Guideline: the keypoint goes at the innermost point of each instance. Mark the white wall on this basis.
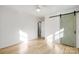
(77, 30)
(52, 25)
(11, 21)
(43, 29)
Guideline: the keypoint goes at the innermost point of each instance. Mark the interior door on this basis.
(67, 22)
(39, 29)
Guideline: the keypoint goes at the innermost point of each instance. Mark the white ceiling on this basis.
(45, 9)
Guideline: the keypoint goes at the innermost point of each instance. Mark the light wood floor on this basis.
(39, 46)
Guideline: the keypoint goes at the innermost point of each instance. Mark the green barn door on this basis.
(67, 23)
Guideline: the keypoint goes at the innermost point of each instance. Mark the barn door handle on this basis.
(75, 32)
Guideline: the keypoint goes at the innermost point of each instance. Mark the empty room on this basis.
(39, 29)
